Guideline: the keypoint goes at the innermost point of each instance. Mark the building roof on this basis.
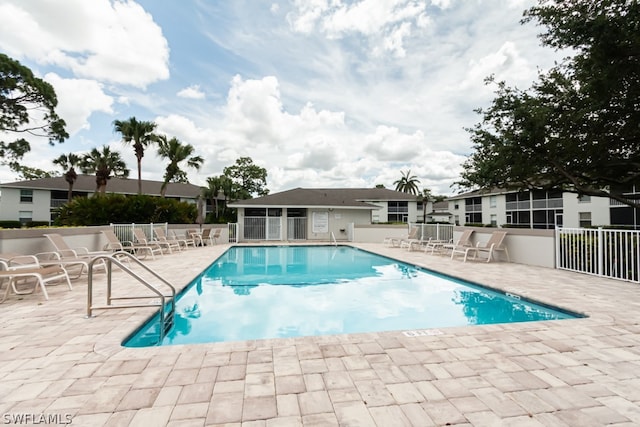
(481, 192)
(87, 183)
(354, 198)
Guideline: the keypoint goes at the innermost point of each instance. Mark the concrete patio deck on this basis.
(57, 365)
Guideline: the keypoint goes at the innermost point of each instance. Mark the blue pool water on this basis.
(288, 291)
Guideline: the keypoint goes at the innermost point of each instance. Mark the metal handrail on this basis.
(112, 259)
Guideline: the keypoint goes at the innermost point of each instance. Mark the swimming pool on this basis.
(256, 292)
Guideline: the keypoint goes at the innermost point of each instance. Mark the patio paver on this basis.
(55, 362)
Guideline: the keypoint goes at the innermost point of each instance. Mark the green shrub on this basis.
(10, 224)
(33, 224)
(118, 208)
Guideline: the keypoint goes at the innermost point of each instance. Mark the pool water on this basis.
(259, 292)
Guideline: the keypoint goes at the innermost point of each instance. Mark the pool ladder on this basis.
(166, 313)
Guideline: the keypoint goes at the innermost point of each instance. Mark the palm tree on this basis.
(103, 163)
(426, 196)
(214, 186)
(68, 162)
(176, 152)
(408, 183)
(140, 135)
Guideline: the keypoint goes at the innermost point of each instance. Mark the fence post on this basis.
(600, 252)
(557, 245)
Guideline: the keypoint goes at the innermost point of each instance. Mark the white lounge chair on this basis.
(463, 242)
(184, 241)
(398, 241)
(25, 269)
(139, 250)
(161, 236)
(142, 239)
(63, 248)
(494, 244)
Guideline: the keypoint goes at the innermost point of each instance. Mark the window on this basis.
(456, 206)
(26, 196)
(398, 211)
(494, 220)
(585, 219)
(25, 216)
(584, 199)
(493, 201)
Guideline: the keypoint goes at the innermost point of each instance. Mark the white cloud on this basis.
(191, 92)
(310, 145)
(386, 24)
(77, 100)
(108, 41)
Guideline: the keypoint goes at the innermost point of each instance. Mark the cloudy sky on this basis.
(321, 93)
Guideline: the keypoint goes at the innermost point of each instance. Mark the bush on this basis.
(118, 208)
(33, 224)
(10, 224)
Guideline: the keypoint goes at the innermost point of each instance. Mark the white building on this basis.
(319, 213)
(539, 209)
(38, 199)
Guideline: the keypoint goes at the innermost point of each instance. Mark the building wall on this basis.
(598, 207)
(338, 222)
(10, 205)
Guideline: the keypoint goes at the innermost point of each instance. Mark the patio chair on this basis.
(65, 250)
(186, 241)
(161, 236)
(196, 236)
(397, 241)
(210, 236)
(139, 250)
(70, 258)
(25, 269)
(495, 243)
(463, 242)
(141, 239)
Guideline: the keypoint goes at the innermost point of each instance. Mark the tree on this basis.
(407, 183)
(217, 185)
(214, 187)
(577, 128)
(68, 162)
(27, 107)
(176, 152)
(425, 196)
(29, 173)
(140, 135)
(103, 164)
(249, 179)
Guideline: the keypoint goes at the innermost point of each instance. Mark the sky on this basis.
(320, 93)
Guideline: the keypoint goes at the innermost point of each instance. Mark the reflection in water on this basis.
(484, 308)
(255, 293)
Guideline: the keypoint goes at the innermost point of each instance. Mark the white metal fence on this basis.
(434, 231)
(608, 253)
(233, 232)
(125, 231)
(297, 228)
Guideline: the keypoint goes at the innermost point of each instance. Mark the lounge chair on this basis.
(26, 268)
(69, 258)
(398, 241)
(463, 242)
(210, 236)
(139, 250)
(185, 241)
(65, 250)
(161, 236)
(495, 243)
(141, 239)
(196, 236)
